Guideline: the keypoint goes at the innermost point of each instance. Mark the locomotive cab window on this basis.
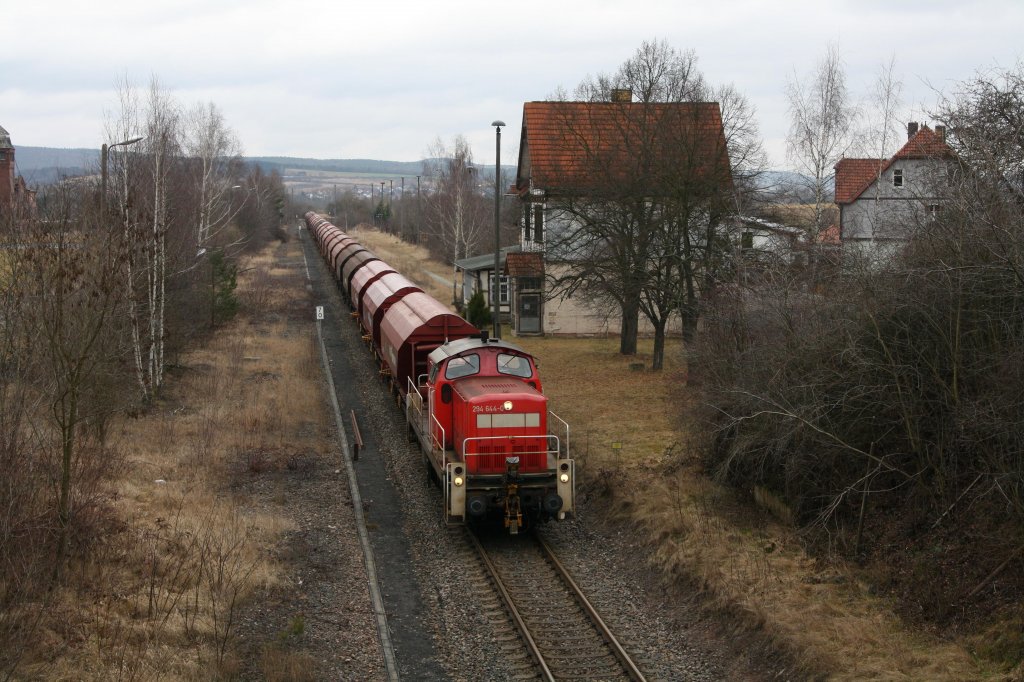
(462, 366)
(515, 365)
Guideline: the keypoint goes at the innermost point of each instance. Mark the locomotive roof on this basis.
(496, 388)
(453, 348)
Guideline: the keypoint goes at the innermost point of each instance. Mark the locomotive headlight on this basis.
(564, 478)
(459, 480)
(508, 405)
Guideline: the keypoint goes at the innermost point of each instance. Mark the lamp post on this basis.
(495, 308)
(104, 151)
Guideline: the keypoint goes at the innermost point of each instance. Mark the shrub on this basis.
(477, 312)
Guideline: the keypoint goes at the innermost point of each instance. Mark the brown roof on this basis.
(580, 146)
(524, 264)
(926, 144)
(853, 176)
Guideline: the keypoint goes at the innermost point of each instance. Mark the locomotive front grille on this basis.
(489, 457)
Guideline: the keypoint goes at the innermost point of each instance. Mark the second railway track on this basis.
(565, 636)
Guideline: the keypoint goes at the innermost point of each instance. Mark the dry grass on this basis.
(164, 592)
(589, 384)
(801, 215)
(410, 260)
(749, 565)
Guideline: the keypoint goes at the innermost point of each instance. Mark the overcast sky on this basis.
(382, 80)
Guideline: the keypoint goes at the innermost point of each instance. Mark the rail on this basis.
(546, 651)
(613, 643)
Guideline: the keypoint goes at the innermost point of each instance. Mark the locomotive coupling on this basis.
(513, 509)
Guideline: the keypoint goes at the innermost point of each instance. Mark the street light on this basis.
(496, 311)
(103, 171)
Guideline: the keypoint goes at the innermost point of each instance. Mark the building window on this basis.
(747, 240)
(526, 222)
(3, 156)
(538, 222)
(934, 211)
(503, 289)
(897, 177)
(529, 283)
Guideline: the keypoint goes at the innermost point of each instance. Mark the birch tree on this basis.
(145, 179)
(213, 151)
(821, 118)
(455, 208)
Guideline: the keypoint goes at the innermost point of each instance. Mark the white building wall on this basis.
(885, 212)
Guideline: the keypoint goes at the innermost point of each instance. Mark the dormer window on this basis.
(897, 177)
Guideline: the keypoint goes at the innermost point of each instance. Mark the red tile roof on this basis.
(926, 144)
(583, 146)
(524, 264)
(830, 235)
(853, 176)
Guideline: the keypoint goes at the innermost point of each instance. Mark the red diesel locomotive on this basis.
(474, 405)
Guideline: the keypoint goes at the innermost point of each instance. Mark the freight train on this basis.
(474, 405)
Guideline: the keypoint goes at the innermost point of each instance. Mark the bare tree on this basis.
(898, 393)
(213, 151)
(884, 129)
(72, 291)
(820, 122)
(147, 176)
(455, 208)
(657, 72)
(641, 228)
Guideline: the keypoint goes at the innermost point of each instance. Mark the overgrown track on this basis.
(563, 633)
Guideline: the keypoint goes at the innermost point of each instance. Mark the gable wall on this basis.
(884, 211)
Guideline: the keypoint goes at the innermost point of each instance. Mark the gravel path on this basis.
(320, 625)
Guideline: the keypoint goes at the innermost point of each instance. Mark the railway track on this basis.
(565, 637)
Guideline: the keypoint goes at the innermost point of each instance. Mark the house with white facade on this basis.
(575, 151)
(882, 200)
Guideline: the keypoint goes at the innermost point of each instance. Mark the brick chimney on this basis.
(941, 132)
(911, 129)
(622, 95)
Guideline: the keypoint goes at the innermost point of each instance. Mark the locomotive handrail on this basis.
(548, 437)
(413, 389)
(440, 446)
(566, 425)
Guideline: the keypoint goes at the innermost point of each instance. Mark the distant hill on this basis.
(369, 166)
(45, 165)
